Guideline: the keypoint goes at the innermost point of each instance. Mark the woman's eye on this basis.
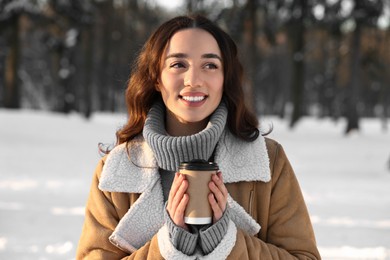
(177, 65)
(211, 66)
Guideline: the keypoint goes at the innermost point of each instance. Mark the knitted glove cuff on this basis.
(211, 236)
(181, 239)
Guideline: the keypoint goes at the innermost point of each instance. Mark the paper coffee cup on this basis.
(198, 174)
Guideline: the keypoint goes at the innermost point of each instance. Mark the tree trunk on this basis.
(105, 68)
(87, 93)
(352, 114)
(298, 74)
(385, 97)
(250, 38)
(12, 90)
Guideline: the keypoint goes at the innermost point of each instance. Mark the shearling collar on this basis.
(135, 171)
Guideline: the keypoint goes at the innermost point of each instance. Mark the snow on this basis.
(47, 161)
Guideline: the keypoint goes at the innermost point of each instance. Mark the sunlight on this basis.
(348, 252)
(351, 222)
(53, 184)
(18, 185)
(3, 243)
(319, 12)
(346, 7)
(59, 249)
(73, 211)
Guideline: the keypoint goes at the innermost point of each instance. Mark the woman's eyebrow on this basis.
(183, 55)
(176, 55)
(211, 56)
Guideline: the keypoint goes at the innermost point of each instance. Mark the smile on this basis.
(193, 98)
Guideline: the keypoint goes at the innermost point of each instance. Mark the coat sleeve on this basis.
(102, 214)
(289, 233)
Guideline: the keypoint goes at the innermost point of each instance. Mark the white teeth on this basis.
(193, 99)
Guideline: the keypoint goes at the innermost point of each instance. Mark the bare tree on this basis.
(297, 38)
(365, 12)
(250, 49)
(10, 13)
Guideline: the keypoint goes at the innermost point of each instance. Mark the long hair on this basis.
(141, 91)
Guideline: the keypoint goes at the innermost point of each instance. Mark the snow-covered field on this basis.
(47, 161)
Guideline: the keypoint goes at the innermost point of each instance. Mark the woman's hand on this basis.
(218, 196)
(178, 200)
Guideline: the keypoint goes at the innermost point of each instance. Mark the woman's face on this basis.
(191, 80)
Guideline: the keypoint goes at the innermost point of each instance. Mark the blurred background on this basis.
(327, 58)
(317, 70)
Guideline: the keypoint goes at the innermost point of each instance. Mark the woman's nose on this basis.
(193, 78)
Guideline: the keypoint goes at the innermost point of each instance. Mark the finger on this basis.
(174, 188)
(218, 180)
(180, 210)
(218, 195)
(176, 183)
(179, 195)
(221, 194)
(217, 211)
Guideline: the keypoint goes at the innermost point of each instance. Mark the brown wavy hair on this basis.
(141, 92)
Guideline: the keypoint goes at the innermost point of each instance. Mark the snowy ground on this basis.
(47, 161)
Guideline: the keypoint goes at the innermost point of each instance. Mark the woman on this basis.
(185, 101)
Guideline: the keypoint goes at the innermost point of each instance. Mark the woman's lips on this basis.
(193, 99)
(193, 96)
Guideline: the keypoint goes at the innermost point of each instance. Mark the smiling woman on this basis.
(186, 102)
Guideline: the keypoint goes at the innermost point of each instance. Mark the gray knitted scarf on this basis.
(170, 151)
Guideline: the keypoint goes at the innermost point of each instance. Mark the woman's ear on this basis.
(157, 86)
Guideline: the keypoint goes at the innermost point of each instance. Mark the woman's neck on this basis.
(176, 128)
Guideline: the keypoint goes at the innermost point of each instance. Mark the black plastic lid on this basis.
(199, 165)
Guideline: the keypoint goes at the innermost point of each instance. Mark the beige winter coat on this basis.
(124, 212)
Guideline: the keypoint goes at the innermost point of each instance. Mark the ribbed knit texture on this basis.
(180, 238)
(170, 151)
(210, 237)
(207, 237)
